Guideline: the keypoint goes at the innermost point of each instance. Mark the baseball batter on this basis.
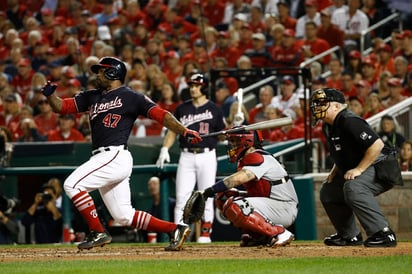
(113, 108)
(197, 162)
(269, 203)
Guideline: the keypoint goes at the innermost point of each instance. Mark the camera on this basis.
(8, 204)
(46, 197)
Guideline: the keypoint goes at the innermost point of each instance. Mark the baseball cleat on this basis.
(246, 240)
(282, 239)
(95, 239)
(383, 238)
(337, 240)
(178, 237)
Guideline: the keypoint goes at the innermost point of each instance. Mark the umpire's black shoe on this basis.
(384, 238)
(95, 239)
(337, 240)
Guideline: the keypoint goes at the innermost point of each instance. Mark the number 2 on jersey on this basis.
(111, 120)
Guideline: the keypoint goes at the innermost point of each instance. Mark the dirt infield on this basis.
(194, 251)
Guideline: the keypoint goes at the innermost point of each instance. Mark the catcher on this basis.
(268, 202)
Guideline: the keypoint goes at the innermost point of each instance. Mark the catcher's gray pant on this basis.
(343, 200)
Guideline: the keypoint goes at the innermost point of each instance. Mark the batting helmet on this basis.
(199, 79)
(114, 68)
(240, 142)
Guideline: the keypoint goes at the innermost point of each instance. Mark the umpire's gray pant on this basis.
(343, 200)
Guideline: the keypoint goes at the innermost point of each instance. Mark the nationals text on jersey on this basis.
(103, 107)
(190, 119)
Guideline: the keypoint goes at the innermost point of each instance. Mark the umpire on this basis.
(351, 185)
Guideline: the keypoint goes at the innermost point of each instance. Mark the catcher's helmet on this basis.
(319, 102)
(199, 79)
(240, 142)
(114, 68)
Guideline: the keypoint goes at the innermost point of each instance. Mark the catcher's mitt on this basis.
(194, 208)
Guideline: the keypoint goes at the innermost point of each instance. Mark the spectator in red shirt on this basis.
(313, 45)
(408, 87)
(348, 84)
(245, 38)
(255, 21)
(288, 132)
(11, 115)
(406, 45)
(224, 49)
(22, 81)
(354, 63)
(66, 130)
(173, 69)
(329, 31)
(385, 60)
(334, 79)
(154, 11)
(214, 10)
(369, 71)
(284, 15)
(47, 119)
(363, 89)
(395, 90)
(289, 54)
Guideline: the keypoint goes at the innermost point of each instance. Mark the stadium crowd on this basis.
(164, 42)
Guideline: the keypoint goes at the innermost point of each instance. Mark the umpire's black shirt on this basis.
(348, 139)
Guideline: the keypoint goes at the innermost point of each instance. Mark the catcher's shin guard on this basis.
(242, 215)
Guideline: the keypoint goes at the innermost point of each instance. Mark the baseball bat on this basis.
(279, 122)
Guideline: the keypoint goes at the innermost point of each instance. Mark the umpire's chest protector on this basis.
(348, 139)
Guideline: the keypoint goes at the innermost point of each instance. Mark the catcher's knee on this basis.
(235, 209)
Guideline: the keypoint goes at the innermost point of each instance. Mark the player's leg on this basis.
(101, 170)
(360, 195)
(340, 214)
(185, 183)
(242, 215)
(206, 167)
(118, 201)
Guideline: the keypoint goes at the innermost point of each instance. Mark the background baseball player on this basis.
(269, 203)
(197, 162)
(113, 108)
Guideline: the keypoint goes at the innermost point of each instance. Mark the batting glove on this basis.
(163, 157)
(192, 136)
(48, 89)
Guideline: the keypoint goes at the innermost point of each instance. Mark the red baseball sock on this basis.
(145, 221)
(84, 203)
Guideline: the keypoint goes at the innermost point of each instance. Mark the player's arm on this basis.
(234, 180)
(58, 104)
(168, 120)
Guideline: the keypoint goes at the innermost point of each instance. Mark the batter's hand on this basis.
(48, 89)
(163, 157)
(192, 136)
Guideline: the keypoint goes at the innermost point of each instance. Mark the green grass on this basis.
(390, 264)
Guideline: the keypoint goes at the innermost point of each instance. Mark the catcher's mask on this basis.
(320, 102)
(240, 142)
(114, 68)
